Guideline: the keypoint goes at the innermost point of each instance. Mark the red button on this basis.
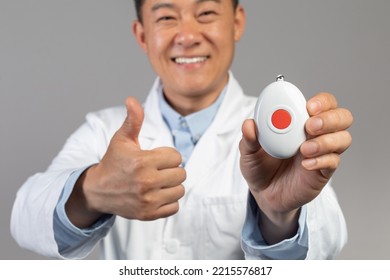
(281, 119)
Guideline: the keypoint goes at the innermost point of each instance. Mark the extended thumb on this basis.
(133, 122)
(249, 143)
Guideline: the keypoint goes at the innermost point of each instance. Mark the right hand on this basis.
(130, 182)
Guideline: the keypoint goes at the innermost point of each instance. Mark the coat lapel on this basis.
(219, 140)
(154, 132)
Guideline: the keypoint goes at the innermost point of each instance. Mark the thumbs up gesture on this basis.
(128, 181)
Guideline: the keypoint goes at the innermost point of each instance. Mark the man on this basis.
(170, 180)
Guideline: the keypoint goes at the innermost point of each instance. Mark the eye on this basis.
(165, 18)
(207, 13)
(207, 16)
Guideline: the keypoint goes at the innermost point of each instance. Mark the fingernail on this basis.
(315, 107)
(309, 163)
(310, 148)
(316, 124)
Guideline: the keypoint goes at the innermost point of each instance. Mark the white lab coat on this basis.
(212, 212)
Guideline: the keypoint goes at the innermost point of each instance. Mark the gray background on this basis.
(62, 59)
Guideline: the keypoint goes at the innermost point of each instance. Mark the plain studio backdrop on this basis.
(62, 59)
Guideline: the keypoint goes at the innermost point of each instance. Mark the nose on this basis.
(188, 33)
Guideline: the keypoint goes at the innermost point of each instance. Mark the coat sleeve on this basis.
(34, 206)
(322, 232)
(327, 227)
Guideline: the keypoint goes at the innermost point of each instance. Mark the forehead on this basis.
(154, 4)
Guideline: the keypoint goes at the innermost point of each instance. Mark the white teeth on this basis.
(189, 60)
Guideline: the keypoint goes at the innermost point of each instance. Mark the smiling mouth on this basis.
(190, 60)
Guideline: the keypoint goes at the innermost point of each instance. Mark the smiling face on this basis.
(190, 44)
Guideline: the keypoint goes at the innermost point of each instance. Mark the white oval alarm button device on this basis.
(280, 116)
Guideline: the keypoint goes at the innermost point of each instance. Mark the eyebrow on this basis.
(172, 6)
(162, 5)
(201, 1)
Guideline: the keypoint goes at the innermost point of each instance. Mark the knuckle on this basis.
(330, 99)
(146, 216)
(144, 184)
(181, 191)
(169, 152)
(145, 201)
(147, 213)
(333, 99)
(176, 156)
(182, 174)
(327, 99)
(348, 137)
(137, 163)
(343, 141)
(328, 143)
(175, 208)
(334, 161)
(335, 118)
(172, 210)
(348, 116)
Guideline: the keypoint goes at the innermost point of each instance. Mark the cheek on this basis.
(159, 41)
(223, 40)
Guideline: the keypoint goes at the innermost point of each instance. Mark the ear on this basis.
(139, 34)
(239, 22)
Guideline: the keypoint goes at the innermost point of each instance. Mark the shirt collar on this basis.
(196, 123)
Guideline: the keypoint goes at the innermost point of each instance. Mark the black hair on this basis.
(138, 7)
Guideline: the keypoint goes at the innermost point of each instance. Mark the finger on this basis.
(320, 103)
(327, 164)
(336, 142)
(164, 211)
(166, 157)
(133, 122)
(171, 195)
(169, 202)
(168, 210)
(160, 203)
(330, 121)
(172, 177)
(249, 143)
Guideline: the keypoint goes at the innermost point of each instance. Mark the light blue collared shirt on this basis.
(186, 132)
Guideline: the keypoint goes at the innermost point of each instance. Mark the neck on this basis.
(188, 103)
